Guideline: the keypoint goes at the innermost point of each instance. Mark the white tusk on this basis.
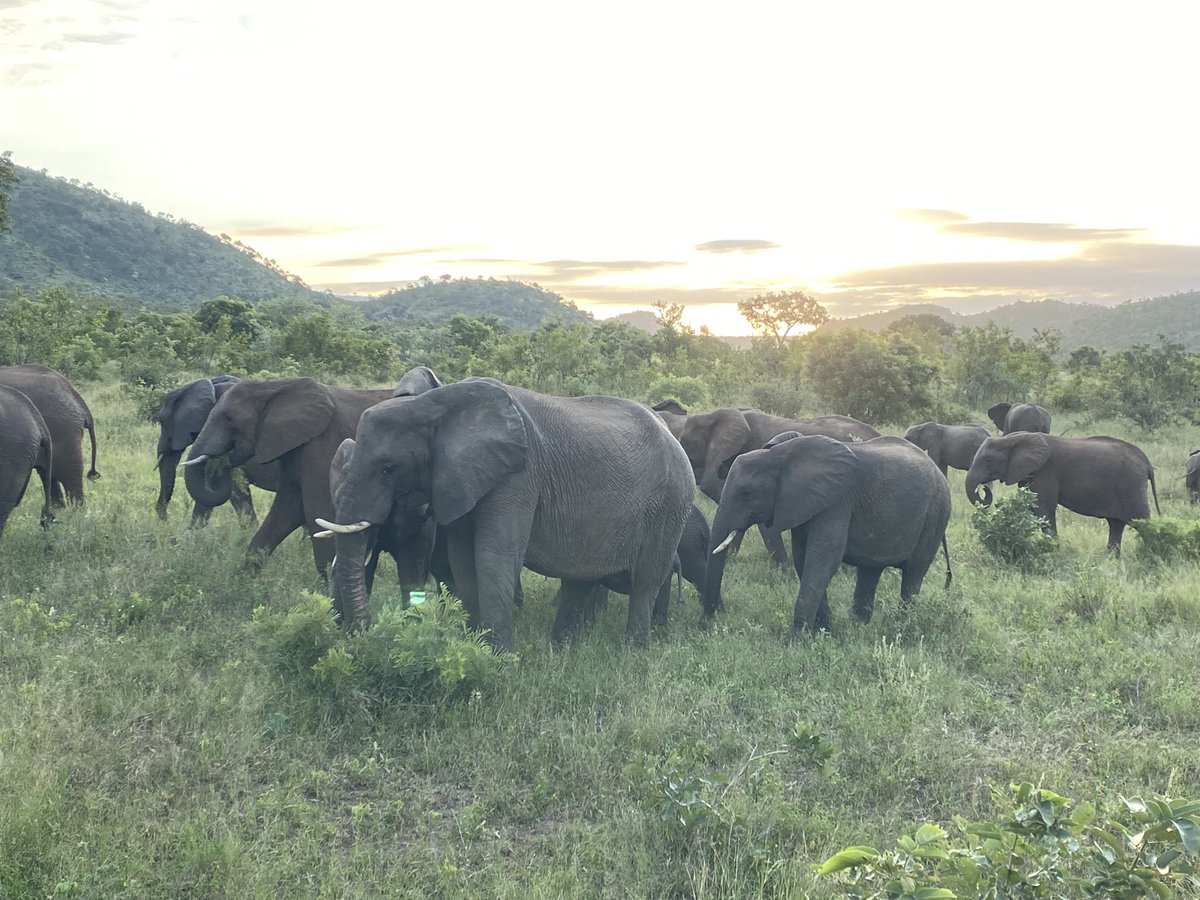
(323, 534)
(199, 459)
(721, 547)
(160, 459)
(343, 529)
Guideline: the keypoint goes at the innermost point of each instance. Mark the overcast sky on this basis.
(968, 154)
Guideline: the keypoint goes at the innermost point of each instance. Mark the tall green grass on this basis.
(148, 750)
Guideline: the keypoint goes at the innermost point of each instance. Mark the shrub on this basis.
(688, 390)
(1043, 845)
(1168, 539)
(1011, 531)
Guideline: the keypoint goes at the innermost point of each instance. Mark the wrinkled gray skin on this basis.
(714, 440)
(25, 445)
(67, 416)
(949, 446)
(183, 414)
(1096, 476)
(1021, 417)
(586, 489)
(1193, 477)
(673, 415)
(297, 423)
(872, 505)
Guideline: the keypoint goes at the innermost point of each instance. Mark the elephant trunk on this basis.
(974, 483)
(349, 578)
(168, 461)
(710, 485)
(209, 488)
(726, 527)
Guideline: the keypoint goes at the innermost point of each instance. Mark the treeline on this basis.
(920, 368)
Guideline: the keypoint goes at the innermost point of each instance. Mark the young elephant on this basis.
(872, 505)
(25, 445)
(1192, 478)
(1096, 476)
(1021, 417)
(949, 446)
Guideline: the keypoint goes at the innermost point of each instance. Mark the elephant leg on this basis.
(284, 517)
(1116, 527)
(772, 539)
(412, 564)
(243, 503)
(911, 579)
(662, 603)
(201, 515)
(315, 501)
(369, 572)
(799, 549)
(1047, 507)
(460, 556)
(824, 547)
(56, 494)
(864, 591)
(68, 471)
(574, 605)
(501, 539)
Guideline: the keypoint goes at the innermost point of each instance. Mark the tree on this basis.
(881, 379)
(8, 179)
(775, 313)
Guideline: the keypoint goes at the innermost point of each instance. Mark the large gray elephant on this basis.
(1010, 418)
(586, 489)
(949, 446)
(1192, 478)
(180, 421)
(296, 423)
(872, 505)
(25, 445)
(1102, 477)
(67, 416)
(713, 440)
(673, 414)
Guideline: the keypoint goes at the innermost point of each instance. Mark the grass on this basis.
(147, 751)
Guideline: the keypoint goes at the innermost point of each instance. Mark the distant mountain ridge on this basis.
(83, 238)
(515, 303)
(1104, 327)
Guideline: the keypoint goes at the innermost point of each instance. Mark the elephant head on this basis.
(788, 483)
(712, 441)
(415, 381)
(1013, 459)
(181, 419)
(439, 452)
(255, 422)
(927, 436)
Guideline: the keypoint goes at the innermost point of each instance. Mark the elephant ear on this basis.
(416, 381)
(670, 406)
(188, 414)
(780, 438)
(999, 413)
(727, 435)
(816, 473)
(337, 467)
(480, 439)
(292, 416)
(222, 383)
(1028, 455)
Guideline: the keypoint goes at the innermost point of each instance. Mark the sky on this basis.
(871, 153)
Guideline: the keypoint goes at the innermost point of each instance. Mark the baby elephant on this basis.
(1102, 477)
(949, 446)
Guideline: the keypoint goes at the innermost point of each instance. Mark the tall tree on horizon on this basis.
(775, 313)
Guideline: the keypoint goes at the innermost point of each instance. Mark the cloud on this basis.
(565, 270)
(107, 38)
(736, 246)
(262, 228)
(374, 259)
(935, 216)
(27, 74)
(1038, 231)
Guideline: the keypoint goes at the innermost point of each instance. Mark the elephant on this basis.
(871, 505)
(713, 440)
(180, 420)
(296, 423)
(585, 489)
(25, 445)
(1192, 479)
(673, 415)
(67, 416)
(1021, 417)
(949, 446)
(1103, 477)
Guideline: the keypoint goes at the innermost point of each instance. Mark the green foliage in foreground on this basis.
(1169, 540)
(1043, 845)
(1012, 532)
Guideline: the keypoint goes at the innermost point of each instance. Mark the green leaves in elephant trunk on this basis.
(168, 462)
(349, 582)
(974, 483)
(211, 482)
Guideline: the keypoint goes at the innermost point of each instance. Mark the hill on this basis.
(641, 319)
(84, 238)
(1104, 327)
(515, 303)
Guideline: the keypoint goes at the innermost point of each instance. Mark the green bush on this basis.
(1011, 531)
(1042, 845)
(1168, 539)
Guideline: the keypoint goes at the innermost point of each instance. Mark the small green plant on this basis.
(1043, 845)
(813, 748)
(1168, 539)
(1012, 531)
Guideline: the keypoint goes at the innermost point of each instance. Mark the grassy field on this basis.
(147, 750)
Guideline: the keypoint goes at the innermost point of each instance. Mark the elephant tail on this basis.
(946, 551)
(1154, 492)
(91, 428)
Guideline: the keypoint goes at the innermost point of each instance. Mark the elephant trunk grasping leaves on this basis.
(1097, 476)
(586, 489)
(872, 505)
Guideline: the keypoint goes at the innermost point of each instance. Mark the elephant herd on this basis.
(473, 481)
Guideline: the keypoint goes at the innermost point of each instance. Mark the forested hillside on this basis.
(66, 234)
(514, 303)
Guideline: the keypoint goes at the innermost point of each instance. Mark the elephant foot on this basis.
(863, 611)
